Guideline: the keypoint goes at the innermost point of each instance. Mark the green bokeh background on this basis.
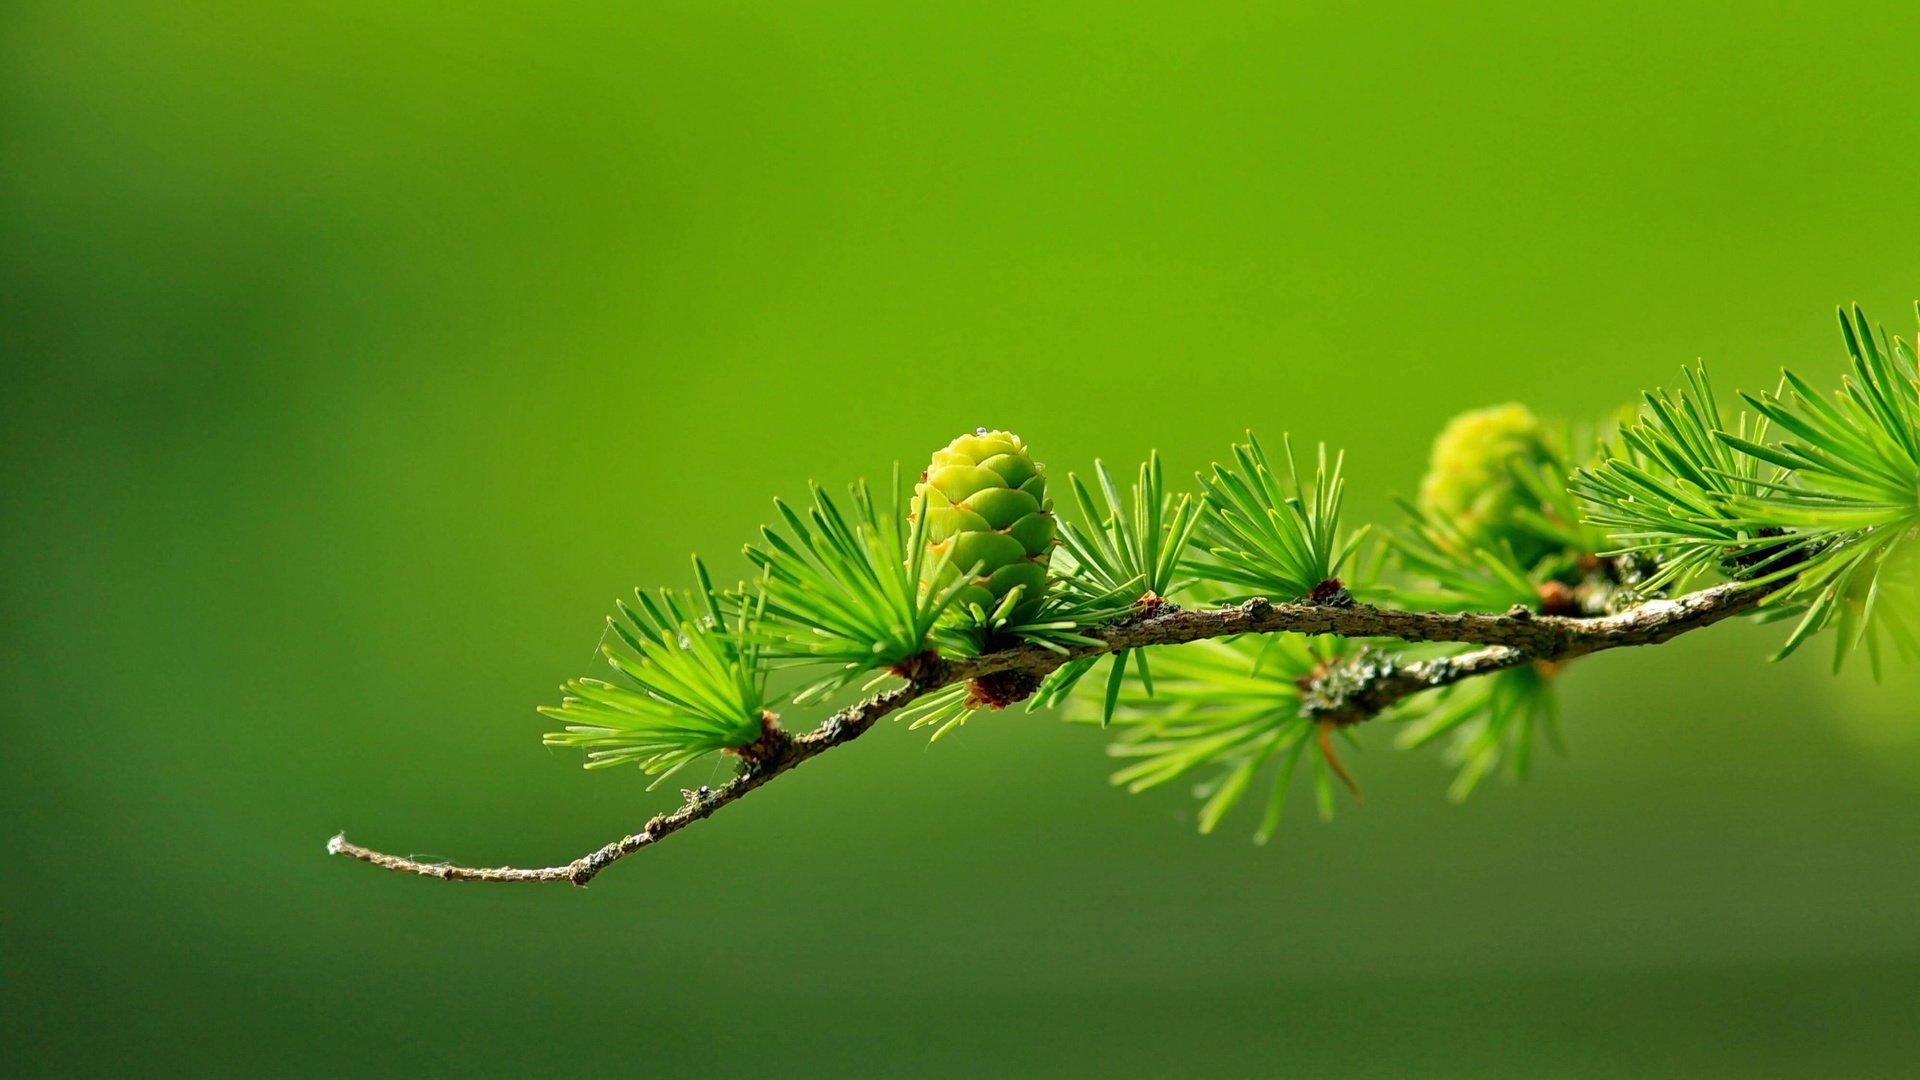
(357, 355)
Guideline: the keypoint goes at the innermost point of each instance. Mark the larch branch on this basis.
(1509, 640)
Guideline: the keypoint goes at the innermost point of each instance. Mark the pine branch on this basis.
(1348, 697)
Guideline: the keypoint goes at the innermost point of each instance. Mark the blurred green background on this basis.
(357, 355)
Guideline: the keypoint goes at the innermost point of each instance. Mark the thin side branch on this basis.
(1649, 623)
(1509, 640)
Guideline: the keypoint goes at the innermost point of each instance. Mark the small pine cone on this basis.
(987, 504)
(1469, 480)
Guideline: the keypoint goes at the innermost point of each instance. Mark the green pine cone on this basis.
(1469, 479)
(987, 505)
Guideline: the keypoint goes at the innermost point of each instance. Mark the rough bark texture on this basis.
(1361, 693)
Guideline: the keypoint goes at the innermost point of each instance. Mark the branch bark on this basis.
(1509, 640)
